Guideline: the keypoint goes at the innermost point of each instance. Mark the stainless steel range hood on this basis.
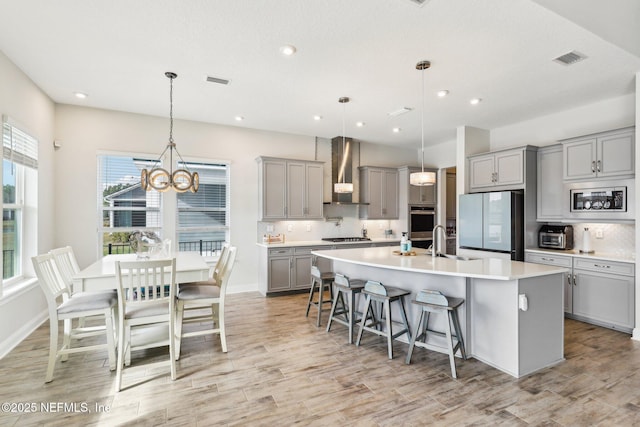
(345, 157)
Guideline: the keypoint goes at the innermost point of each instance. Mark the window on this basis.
(19, 201)
(123, 205)
(203, 217)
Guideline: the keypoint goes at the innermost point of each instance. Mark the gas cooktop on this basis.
(347, 239)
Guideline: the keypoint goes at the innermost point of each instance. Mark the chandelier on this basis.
(343, 187)
(158, 178)
(422, 178)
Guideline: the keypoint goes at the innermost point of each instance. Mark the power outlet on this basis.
(599, 234)
(308, 227)
(270, 228)
(290, 227)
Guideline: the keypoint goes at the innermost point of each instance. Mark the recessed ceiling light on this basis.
(396, 130)
(442, 93)
(80, 95)
(288, 50)
(239, 118)
(360, 124)
(317, 117)
(475, 101)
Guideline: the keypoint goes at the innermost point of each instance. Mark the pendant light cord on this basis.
(344, 110)
(422, 120)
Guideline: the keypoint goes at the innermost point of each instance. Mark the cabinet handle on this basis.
(548, 259)
(593, 167)
(601, 266)
(598, 167)
(290, 263)
(568, 279)
(575, 280)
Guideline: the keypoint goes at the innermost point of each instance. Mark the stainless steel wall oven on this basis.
(422, 219)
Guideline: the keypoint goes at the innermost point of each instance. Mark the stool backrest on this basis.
(315, 271)
(432, 297)
(341, 279)
(375, 288)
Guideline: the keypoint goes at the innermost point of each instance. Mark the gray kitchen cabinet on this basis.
(452, 196)
(379, 188)
(420, 194)
(603, 293)
(559, 261)
(288, 268)
(603, 155)
(290, 189)
(504, 169)
(279, 269)
(551, 196)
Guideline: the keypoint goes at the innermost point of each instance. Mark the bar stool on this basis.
(320, 282)
(348, 289)
(385, 295)
(435, 302)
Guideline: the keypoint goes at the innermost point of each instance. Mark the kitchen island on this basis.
(497, 326)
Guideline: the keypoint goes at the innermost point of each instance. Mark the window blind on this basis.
(19, 147)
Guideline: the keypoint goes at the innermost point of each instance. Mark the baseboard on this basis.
(19, 335)
(241, 288)
(636, 334)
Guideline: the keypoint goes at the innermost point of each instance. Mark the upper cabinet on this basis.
(379, 188)
(603, 155)
(290, 189)
(551, 196)
(419, 194)
(504, 169)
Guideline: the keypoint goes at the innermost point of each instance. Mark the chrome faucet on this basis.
(434, 235)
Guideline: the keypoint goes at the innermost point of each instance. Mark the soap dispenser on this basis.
(404, 242)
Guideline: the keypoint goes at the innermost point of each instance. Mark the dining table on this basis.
(101, 275)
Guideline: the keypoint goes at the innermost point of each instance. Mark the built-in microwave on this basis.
(607, 200)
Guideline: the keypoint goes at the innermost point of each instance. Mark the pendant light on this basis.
(342, 186)
(158, 178)
(422, 178)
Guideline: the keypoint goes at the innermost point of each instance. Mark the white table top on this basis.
(487, 268)
(190, 267)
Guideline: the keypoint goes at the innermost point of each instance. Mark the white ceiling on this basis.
(117, 52)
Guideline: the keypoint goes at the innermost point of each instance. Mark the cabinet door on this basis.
(550, 191)
(301, 272)
(296, 188)
(604, 298)
(615, 155)
(561, 261)
(314, 191)
(452, 198)
(373, 192)
(279, 274)
(481, 171)
(274, 190)
(390, 195)
(422, 194)
(579, 159)
(509, 168)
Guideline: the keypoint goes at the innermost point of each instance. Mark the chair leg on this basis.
(111, 345)
(120, 355)
(53, 348)
(387, 312)
(223, 335)
(403, 313)
(456, 325)
(178, 335)
(333, 310)
(414, 337)
(350, 313)
(311, 292)
(172, 347)
(66, 337)
(320, 303)
(127, 353)
(365, 314)
(452, 357)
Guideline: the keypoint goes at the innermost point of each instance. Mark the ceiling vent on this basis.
(218, 80)
(419, 2)
(570, 58)
(399, 111)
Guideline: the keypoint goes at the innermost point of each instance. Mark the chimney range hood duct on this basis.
(342, 162)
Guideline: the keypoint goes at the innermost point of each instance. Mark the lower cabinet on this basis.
(597, 291)
(286, 269)
(603, 292)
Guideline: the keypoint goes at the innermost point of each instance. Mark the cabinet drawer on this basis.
(307, 250)
(279, 252)
(550, 259)
(623, 268)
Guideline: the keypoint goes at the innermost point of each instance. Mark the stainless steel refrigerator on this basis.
(493, 222)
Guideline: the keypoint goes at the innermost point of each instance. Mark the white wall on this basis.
(83, 132)
(25, 103)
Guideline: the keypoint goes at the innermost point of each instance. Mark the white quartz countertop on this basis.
(620, 257)
(296, 243)
(486, 268)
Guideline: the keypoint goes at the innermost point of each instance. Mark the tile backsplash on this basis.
(616, 239)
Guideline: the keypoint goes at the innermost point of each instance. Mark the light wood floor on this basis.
(282, 370)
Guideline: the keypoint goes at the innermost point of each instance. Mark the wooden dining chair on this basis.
(73, 307)
(68, 266)
(198, 296)
(146, 309)
(216, 271)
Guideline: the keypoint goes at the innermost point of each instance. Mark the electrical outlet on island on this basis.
(599, 234)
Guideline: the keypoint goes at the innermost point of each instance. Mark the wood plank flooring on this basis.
(282, 370)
